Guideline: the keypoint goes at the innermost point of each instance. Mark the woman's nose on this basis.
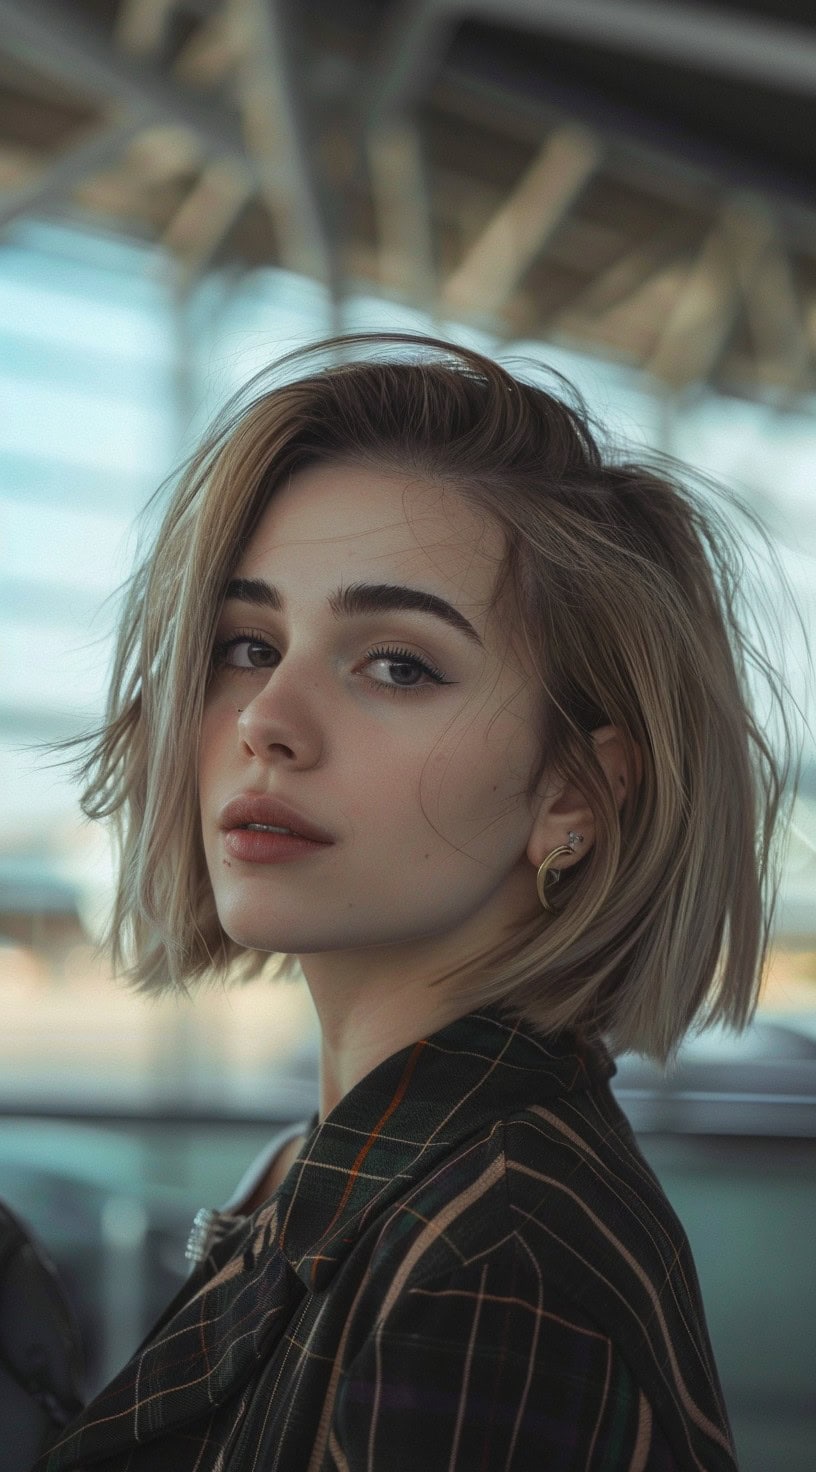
(280, 723)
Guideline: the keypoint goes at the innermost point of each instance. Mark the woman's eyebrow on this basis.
(360, 598)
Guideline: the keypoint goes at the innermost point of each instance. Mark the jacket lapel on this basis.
(394, 1127)
(207, 1346)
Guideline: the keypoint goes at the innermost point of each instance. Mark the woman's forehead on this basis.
(355, 521)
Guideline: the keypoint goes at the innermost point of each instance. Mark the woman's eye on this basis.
(245, 652)
(394, 670)
(398, 669)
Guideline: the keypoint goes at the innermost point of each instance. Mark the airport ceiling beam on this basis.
(746, 47)
(204, 219)
(695, 334)
(528, 218)
(728, 42)
(93, 152)
(399, 191)
(612, 288)
(141, 25)
(277, 133)
(62, 42)
(59, 40)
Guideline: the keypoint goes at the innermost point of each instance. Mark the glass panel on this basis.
(107, 379)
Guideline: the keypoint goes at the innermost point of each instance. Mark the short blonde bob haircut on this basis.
(625, 588)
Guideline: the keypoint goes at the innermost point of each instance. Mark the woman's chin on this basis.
(254, 933)
(252, 939)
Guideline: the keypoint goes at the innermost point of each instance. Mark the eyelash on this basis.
(404, 656)
(245, 636)
(395, 655)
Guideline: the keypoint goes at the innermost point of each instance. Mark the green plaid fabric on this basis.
(469, 1267)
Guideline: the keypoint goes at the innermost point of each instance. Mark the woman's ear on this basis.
(565, 818)
(621, 759)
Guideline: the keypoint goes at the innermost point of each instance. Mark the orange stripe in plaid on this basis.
(398, 1096)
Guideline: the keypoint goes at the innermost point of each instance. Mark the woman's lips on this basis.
(256, 847)
(264, 810)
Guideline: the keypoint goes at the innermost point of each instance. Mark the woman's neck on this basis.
(363, 1022)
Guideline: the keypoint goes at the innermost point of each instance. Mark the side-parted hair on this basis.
(625, 587)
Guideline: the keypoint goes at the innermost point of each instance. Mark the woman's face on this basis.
(406, 735)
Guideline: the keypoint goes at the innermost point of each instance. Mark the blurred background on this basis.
(620, 189)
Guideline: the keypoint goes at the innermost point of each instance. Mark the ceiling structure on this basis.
(630, 177)
(634, 178)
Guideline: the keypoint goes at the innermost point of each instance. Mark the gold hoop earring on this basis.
(542, 874)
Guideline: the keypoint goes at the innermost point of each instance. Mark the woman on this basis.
(421, 692)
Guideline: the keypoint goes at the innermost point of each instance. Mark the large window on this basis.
(120, 1117)
(106, 378)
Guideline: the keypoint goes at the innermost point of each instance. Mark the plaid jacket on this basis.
(469, 1267)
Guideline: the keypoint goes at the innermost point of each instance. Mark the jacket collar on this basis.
(386, 1133)
(409, 1112)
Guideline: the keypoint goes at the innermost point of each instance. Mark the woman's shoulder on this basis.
(565, 1172)
(585, 1201)
(556, 1194)
(577, 1158)
(555, 1214)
